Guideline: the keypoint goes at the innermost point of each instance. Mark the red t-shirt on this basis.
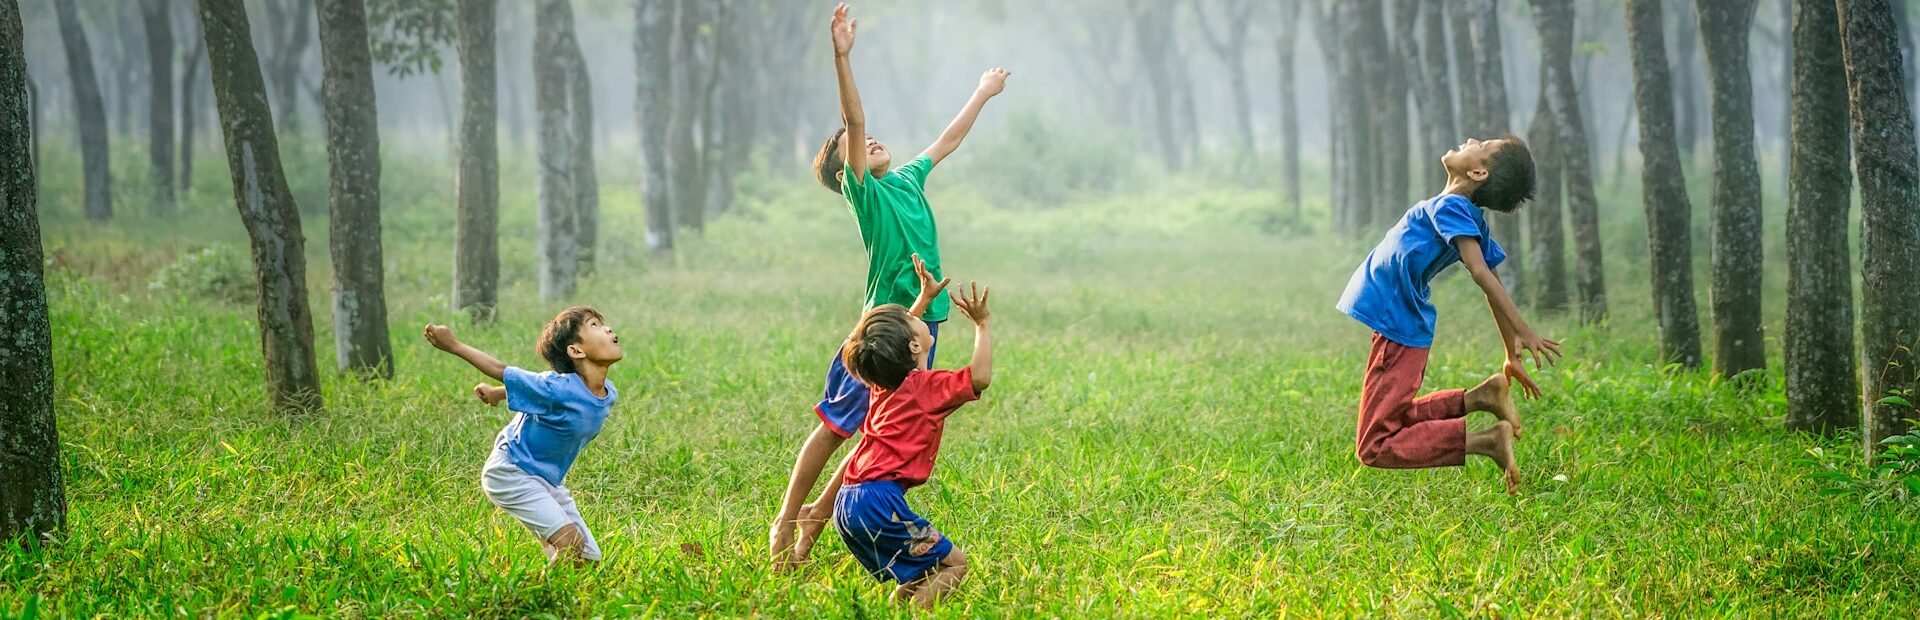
(902, 431)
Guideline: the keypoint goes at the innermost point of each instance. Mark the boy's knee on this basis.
(956, 559)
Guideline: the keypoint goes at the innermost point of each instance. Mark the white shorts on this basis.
(534, 502)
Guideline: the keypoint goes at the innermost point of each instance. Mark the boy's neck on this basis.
(594, 375)
(1462, 187)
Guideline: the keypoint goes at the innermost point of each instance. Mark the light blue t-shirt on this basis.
(1389, 292)
(555, 416)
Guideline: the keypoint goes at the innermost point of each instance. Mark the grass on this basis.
(1170, 433)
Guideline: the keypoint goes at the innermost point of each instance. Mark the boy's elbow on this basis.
(981, 383)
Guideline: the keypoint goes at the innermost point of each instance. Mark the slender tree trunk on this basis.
(1363, 30)
(740, 92)
(1822, 381)
(287, 54)
(1442, 127)
(1340, 124)
(120, 66)
(1885, 162)
(91, 113)
(189, 84)
(653, 66)
(159, 104)
(1466, 69)
(586, 182)
(558, 240)
(1289, 112)
(1663, 188)
(476, 234)
(1686, 68)
(689, 173)
(32, 495)
(1738, 342)
(353, 194)
(1548, 259)
(1496, 121)
(1229, 44)
(1153, 31)
(1555, 21)
(266, 207)
(1388, 89)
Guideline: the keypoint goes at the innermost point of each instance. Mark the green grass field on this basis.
(1170, 433)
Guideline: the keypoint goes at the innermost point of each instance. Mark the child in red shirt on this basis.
(901, 435)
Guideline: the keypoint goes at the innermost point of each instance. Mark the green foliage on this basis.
(1036, 160)
(408, 35)
(1891, 475)
(218, 272)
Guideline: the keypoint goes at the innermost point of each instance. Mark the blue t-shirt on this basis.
(1389, 292)
(555, 416)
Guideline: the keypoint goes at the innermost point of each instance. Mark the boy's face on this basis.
(598, 344)
(879, 160)
(1469, 160)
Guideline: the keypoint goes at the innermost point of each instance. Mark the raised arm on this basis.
(854, 143)
(1515, 334)
(974, 305)
(442, 338)
(929, 289)
(991, 83)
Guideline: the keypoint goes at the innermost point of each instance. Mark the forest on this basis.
(224, 223)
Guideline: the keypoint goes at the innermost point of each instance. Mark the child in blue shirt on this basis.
(555, 414)
(1389, 294)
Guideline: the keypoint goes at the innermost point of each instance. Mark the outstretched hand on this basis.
(974, 305)
(1517, 371)
(1537, 347)
(842, 29)
(490, 394)
(994, 81)
(441, 337)
(928, 287)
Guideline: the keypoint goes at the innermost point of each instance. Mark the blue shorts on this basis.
(888, 539)
(844, 406)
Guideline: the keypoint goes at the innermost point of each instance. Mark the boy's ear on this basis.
(1478, 174)
(574, 351)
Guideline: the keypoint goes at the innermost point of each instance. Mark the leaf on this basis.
(1893, 400)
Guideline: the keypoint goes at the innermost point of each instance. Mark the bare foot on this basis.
(1495, 396)
(1502, 435)
(780, 545)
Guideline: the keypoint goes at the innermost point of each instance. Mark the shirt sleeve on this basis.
(1491, 252)
(1454, 216)
(857, 187)
(917, 170)
(944, 391)
(527, 392)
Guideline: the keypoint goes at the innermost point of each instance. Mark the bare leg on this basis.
(1493, 396)
(951, 570)
(813, 457)
(814, 517)
(569, 545)
(1496, 442)
(906, 591)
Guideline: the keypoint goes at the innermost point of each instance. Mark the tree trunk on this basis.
(1363, 32)
(586, 182)
(1738, 342)
(1153, 32)
(685, 159)
(1822, 379)
(476, 234)
(742, 89)
(1387, 88)
(33, 122)
(1663, 188)
(1340, 124)
(1555, 21)
(1289, 112)
(159, 105)
(1442, 128)
(121, 67)
(190, 84)
(1466, 68)
(290, 49)
(353, 194)
(266, 207)
(32, 496)
(558, 240)
(1548, 260)
(1686, 66)
(653, 103)
(90, 112)
(1496, 120)
(1229, 44)
(1885, 161)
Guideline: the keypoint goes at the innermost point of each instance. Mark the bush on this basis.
(218, 272)
(1043, 161)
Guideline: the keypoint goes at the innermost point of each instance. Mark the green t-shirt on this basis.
(896, 223)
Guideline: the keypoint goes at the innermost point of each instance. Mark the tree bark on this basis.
(1885, 162)
(586, 182)
(558, 238)
(290, 49)
(686, 162)
(32, 494)
(1663, 188)
(1686, 66)
(159, 105)
(1361, 31)
(189, 112)
(34, 122)
(653, 103)
(1496, 121)
(1153, 32)
(91, 113)
(1387, 88)
(1738, 342)
(1822, 376)
(1289, 112)
(266, 207)
(476, 234)
(360, 336)
(1548, 260)
(1442, 128)
(1555, 21)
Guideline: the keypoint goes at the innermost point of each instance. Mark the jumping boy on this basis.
(1389, 294)
(890, 207)
(888, 351)
(555, 414)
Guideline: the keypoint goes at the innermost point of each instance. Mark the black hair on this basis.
(1509, 177)
(879, 352)
(564, 331)
(829, 162)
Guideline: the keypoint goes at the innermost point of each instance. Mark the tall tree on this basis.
(293, 34)
(1466, 68)
(1153, 32)
(1496, 119)
(1686, 66)
(1363, 34)
(32, 496)
(353, 192)
(1738, 342)
(1388, 89)
(653, 113)
(1289, 110)
(1663, 187)
(1554, 18)
(1229, 44)
(1822, 378)
(559, 245)
(190, 83)
(1326, 24)
(1548, 259)
(1885, 162)
(683, 133)
(159, 104)
(586, 182)
(1436, 101)
(266, 207)
(476, 236)
(90, 111)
